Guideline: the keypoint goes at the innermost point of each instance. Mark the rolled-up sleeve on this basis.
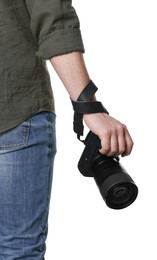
(55, 26)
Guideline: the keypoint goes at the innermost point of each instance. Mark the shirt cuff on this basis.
(59, 42)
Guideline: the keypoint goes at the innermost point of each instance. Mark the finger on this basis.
(128, 143)
(113, 145)
(105, 144)
(121, 144)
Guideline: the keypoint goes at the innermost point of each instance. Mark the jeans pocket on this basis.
(15, 138)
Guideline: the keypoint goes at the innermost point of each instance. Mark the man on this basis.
(31, 32)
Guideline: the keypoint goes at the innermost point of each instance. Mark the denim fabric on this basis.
(27, 155)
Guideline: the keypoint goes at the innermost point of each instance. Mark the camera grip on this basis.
(92, 144)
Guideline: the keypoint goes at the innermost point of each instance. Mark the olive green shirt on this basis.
(31, 32)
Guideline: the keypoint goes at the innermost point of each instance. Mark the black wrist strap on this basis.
(83, 105)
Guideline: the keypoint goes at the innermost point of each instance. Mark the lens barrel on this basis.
(115, 185)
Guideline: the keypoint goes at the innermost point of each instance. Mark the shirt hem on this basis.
(13, 124)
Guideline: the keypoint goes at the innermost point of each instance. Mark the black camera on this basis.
(115, 185)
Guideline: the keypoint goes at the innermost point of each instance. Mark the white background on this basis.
(120, 39)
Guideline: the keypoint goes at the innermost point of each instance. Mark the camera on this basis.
(114, 183)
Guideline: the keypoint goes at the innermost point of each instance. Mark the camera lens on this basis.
(121, 195)
(115, 184)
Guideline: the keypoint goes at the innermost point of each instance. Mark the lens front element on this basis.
(121, 195)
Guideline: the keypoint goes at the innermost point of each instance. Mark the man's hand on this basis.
(114, 136)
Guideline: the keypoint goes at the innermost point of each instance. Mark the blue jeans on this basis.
(26, 170)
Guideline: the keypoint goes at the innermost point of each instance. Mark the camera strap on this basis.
(84, 105)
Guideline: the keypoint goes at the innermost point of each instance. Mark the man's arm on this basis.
(56, 30)
(114, 136)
